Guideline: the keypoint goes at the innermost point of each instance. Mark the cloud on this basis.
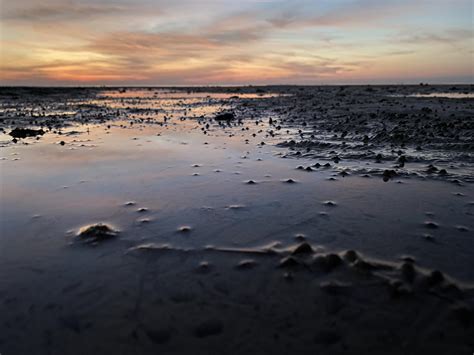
(59, 10)
(341, 14)
(400, 52)
(450, 36)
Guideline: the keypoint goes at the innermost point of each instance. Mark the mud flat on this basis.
(310, 220)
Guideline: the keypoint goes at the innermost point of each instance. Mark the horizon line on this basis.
(234, 85)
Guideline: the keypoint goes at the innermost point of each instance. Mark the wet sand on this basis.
(295, 227)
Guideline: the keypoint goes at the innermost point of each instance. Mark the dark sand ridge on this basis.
(186, 270)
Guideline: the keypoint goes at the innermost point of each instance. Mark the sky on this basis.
(235, 42)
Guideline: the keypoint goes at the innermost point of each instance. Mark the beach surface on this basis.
(240, 220)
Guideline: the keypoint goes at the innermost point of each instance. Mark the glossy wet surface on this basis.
(177, 176)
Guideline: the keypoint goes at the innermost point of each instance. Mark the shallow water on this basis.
(448, 95)
(185, 178)
(150, 93)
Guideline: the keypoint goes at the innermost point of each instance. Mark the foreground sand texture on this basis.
(253, 220)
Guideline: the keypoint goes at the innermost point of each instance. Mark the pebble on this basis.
(300, 237)
(351, 256)
(389, 174)
(462, 228)
(96, 232)
(431, 225)
(204, 267)
(303, 248)
(144, 221)
(236, 207)
(246, 264)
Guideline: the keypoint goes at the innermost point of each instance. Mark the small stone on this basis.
(203, 267)
(389, 174)
(462, 228)
(300, 237)
(246, 264)
(96, 232)
(351, 256)
(303, 248)
(431, 225)
(184, 229)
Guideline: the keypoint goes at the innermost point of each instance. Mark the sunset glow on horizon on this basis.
(184, 42)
